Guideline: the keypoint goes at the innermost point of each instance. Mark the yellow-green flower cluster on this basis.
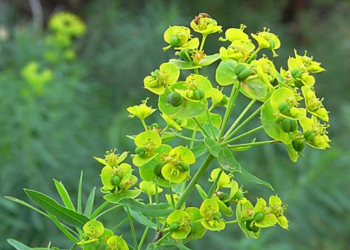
(65, 27)
(96, 236)
(36, 77)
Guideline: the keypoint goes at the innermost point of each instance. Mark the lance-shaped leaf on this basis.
(51, 206)
(227, 161)
(253, 179)
(154, 210)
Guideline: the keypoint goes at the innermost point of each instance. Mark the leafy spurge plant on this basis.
(167, 173)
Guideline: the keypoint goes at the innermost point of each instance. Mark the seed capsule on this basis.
(175, 99)
(244, 73)
(175, 41)
(115, 180)
(174, 226)
(258, 217)
(296, 73)
(284, 107)
(309, 135)
(286, 125)
(139, 150)
(239, 68)
(298, 145)
(198, 94)
(293, 125)
(272, 44)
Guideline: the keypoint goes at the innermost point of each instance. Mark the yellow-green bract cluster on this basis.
(290, 113)
(96, 236)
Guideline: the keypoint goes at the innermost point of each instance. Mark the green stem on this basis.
(157, 200)
(215, 184)
(144, 124)
(120, 224)
(200, 125)
(188, 138)
(253, 55)
(203, 41)
(231, 222)
(243, 123)
(99, 209)
(165, 129)
(210, 124)
(193, 181)
(239, 118)
(162, 239)
(193, 137)
(132, 227)
(250, 132)
(254, 144)
(229, 109)
(172, 197)
(143, 238)
(107, 211)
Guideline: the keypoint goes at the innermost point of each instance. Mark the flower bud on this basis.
(284, 107)
(175, 99)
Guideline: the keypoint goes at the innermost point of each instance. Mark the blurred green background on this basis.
(81, 112)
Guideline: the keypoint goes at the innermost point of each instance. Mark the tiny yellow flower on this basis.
(141, 111)
(267, 40)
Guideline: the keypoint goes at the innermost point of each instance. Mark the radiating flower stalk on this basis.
(284, 102)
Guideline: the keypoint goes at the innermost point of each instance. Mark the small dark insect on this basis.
(200, 15)
(157, 237)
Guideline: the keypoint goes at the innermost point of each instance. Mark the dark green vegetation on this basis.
(82, 112)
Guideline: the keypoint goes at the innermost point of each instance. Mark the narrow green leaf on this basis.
(26, 205)
(253, 179)
(90, 203)
(139, 217)
(227, 161)
(80, 192)
(64, 195)
(213, 146)
(156, 210)
(51, 206)
(18, 245)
